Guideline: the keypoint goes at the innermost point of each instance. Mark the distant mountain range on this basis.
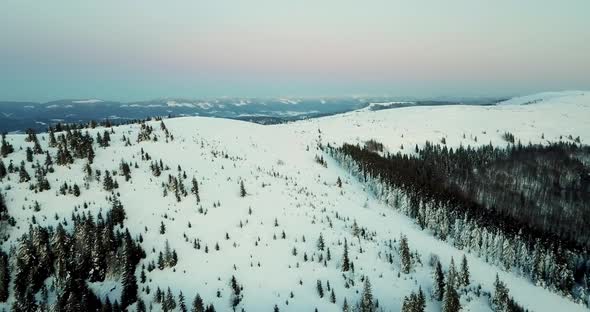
(18, 116)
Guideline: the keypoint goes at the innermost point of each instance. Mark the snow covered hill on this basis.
(268, 239)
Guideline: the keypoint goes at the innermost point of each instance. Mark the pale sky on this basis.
(144, 49)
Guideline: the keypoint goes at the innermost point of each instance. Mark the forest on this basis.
(523, 207)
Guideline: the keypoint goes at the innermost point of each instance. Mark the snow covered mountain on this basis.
(273, 209)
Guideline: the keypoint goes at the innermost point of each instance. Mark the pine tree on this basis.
(406, 258)
(29, 154)
(108, 183)
(464, 272)
(501, 297)
(332, 296)
(345, 307)
(439, 282)
(181, 304)
(320, 243)
(3, 208)
(242, 189)
(129, 281)
(4, 277)
(236, 296)
(195, 189)
(345, 259)
(367, 297)
(23, 174)
(198, 305)
(451, 297)
(3, 171)
(320, 289)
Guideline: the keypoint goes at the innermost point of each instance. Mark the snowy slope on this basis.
(284, 182)
(561, 97)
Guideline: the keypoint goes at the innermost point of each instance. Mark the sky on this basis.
(144, 49)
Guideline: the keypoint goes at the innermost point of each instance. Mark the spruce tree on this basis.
(451, 301)
(464, 272)
(242, 189)
(3, 171)
(367, 297)
(345, 259)
(236, 296)
(4, 277)
(406, 258)
(198, 305)
(321, 245)
(439, 282)
(501, 297)
(129, 281)
(320, 289)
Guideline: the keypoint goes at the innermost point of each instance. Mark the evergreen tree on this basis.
(451, 301)
(367, 297)
(3, 171)
(129, 281)
(108, 183)
(345, 307)
(198, 305)
(406, 258)
(195, 189)
(332, 296)
(3, 208)
(320, 243)
(29, 154)
(320, 289)
(345, 259)
(4, 277)
(242, 189)
(439, 282)
(181, 304)
(236, 296)
(23, 174)
(464, 272)
(500, 299)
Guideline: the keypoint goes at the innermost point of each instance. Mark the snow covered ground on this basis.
(285, 184)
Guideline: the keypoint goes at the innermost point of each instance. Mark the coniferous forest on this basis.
(523, 207)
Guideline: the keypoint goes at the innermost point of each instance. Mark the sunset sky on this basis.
(138, 50)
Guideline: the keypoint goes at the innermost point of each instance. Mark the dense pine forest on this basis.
(524, 207)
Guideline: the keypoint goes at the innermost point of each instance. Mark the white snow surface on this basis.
(90, 101)
(284, 182)
(559, 97)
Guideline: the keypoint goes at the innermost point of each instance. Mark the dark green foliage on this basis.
(4, 277)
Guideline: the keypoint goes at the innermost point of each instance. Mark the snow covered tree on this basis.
(499, 301)
(198, 305)
(366, 303)
(320, 289)
(439, 282)
(129, 281)
(321, 245)
(405, 256)
(345, 259)
(451, 301)
(3, 208)
(236, 295)
(195, 189)
(464, 272)
(107, 182)
(242, 189)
